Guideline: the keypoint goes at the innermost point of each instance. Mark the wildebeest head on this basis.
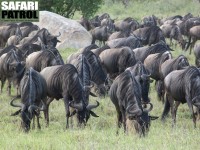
(141, 122)
(182, 62)
(83, 111)
(26, 113)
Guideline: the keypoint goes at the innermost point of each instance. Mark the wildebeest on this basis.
(150, 35)
(143, 76)
(116, 60)
(27, 27)
(10, 66)
(183, 86)
(63, 81)
(100, 33)
(125, 32)
(33, 94)
(172, 31)
(197, 54)
(98, 74)
(154, 61)
(166, 67)
(194, 35)
(47, 38)
(126, 96)
(131, 41)
(41, 59)
(7, 31)
(142, 52)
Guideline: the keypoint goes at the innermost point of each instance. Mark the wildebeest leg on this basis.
(192, 111)
(166, 108)
(46, 111)
(66, 102)
(176, 107)
(171, 101)
(119, 120)
(38, 122)
(33, 125)
(9, 88)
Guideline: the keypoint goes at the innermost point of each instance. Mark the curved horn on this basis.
(90, 107)
(148, 110)
(34, 107)
(76, 106)
(136, 112)
(16, 105)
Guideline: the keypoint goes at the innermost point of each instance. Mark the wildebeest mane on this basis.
(98, 75)
(66, 77)
(31, 87)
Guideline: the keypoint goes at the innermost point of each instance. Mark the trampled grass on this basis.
(100, 133)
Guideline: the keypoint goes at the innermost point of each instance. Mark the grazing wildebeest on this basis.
(142, 52)
(143, 76)
(10, 66)
(197, 54)
(41, 59)
(126, 96)
(98, 75)
(150, 35)
(183, 86)
(7, 31)
(116, 60)
(85, 70)
(33, 93)
(131, 41)
(63, 81)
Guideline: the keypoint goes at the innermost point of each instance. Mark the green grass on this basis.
(100, 133)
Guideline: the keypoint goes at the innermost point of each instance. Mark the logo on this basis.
(19, 11)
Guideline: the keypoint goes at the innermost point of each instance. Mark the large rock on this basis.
(73, 35)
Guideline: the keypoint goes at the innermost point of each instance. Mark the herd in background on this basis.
(131, 56)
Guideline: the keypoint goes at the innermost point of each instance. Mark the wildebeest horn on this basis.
(57, 35)
(76, 106)
(136, 112)
(90, 107)
(34, 107)
(16, 105)
(148, 110)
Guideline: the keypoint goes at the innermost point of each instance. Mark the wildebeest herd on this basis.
(123, 67)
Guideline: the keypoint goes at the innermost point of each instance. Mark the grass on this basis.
(100, 133)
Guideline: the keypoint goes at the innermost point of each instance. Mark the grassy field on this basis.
(100, 133)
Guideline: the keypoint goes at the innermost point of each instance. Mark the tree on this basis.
(67, 8)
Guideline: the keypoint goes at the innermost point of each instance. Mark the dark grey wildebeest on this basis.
(33, 89)
(182, 86)
(63, 81)
(41, 59)
(197, 54)
(126, 96)
(116, 60)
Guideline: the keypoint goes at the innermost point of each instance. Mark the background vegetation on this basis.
(100, 133)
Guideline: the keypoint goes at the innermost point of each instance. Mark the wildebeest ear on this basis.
(58, 41)
(92, 94)
(16, 113)
(153, 117)
(93, 114)
(73, 113)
